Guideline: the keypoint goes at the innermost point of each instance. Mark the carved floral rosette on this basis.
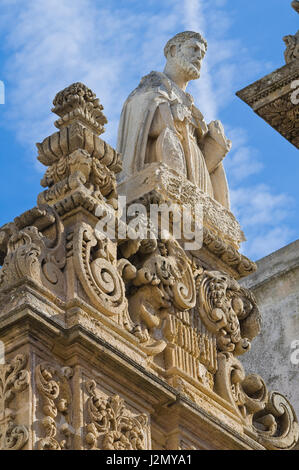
(14, 379)
(112, 426)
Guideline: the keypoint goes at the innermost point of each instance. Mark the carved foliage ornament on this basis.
(29, 254)
(13, 379)
(283, 115)
(52, 383)
(111, 421)
(227, 310)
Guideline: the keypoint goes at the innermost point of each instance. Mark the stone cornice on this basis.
(271, 98)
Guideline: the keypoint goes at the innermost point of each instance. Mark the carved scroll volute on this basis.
(111, 425)
(184, 292)
(97, 272)
(248, 394)
(13, 380)
(277, 424)
(269, 415)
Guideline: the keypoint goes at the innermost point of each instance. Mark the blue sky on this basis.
(109, 45)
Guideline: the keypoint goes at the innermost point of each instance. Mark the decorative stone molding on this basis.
(159, 180)
(14, 379)
(112, 424)
(96, 267)
(53, 385)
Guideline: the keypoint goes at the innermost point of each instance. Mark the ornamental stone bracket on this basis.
(125, 343)
(275, 96)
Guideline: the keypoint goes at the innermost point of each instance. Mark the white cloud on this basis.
(255, 205)
(227, 65)
(265, 242)
(243, 160)
(109, 46)
(263, 216)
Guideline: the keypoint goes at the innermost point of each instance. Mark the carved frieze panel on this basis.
(111, 425)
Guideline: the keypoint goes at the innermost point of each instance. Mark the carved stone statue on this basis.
(160, 123)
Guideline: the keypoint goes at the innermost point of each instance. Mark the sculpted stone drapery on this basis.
(160, 123)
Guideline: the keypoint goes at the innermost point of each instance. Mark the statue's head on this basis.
(187, 51)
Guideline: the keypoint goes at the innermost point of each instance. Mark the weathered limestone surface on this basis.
(160, 122)
(122, 342)
(275, 286)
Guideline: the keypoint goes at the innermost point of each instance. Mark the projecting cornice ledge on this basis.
(275, 98)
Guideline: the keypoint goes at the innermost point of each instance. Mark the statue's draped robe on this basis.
(182, 150)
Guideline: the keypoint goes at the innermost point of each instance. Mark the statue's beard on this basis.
(192, 72)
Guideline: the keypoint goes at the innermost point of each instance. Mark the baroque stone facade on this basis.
(123, 343)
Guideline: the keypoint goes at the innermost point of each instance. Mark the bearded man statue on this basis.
(160, 123)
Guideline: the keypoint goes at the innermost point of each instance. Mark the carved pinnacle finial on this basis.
(295, 5)
(78, 102)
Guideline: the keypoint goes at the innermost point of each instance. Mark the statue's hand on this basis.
(215, 146)
(216, 132)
